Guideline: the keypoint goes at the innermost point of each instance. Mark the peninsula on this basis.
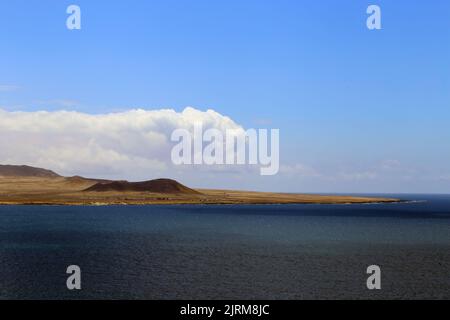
(25, 185)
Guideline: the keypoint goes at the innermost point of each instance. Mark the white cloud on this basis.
(299, 170)
(8, 88)
(134, 144)
(357, 176)
(390, 164)
(62, 103)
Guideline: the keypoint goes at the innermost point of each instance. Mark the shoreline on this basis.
(192, 203)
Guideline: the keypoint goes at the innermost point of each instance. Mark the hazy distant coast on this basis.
(23, 185)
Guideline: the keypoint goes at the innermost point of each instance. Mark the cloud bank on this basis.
(8, 88)
(134, 144)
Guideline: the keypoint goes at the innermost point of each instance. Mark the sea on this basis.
(245, 252)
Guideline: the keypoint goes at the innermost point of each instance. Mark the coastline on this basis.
(62, 191)
(187, 202)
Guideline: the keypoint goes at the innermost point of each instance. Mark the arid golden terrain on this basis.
(48, 188)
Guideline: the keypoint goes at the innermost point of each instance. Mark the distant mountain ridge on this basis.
(166, 186)
(26, 171)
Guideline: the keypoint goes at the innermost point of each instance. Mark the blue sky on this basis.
(347, 100)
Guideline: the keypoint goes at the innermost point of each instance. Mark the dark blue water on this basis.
(227, 252)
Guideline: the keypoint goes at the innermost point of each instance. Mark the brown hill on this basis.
(26, 171)
(155, 186)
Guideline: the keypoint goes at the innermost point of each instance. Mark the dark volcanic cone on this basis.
(155, 186)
